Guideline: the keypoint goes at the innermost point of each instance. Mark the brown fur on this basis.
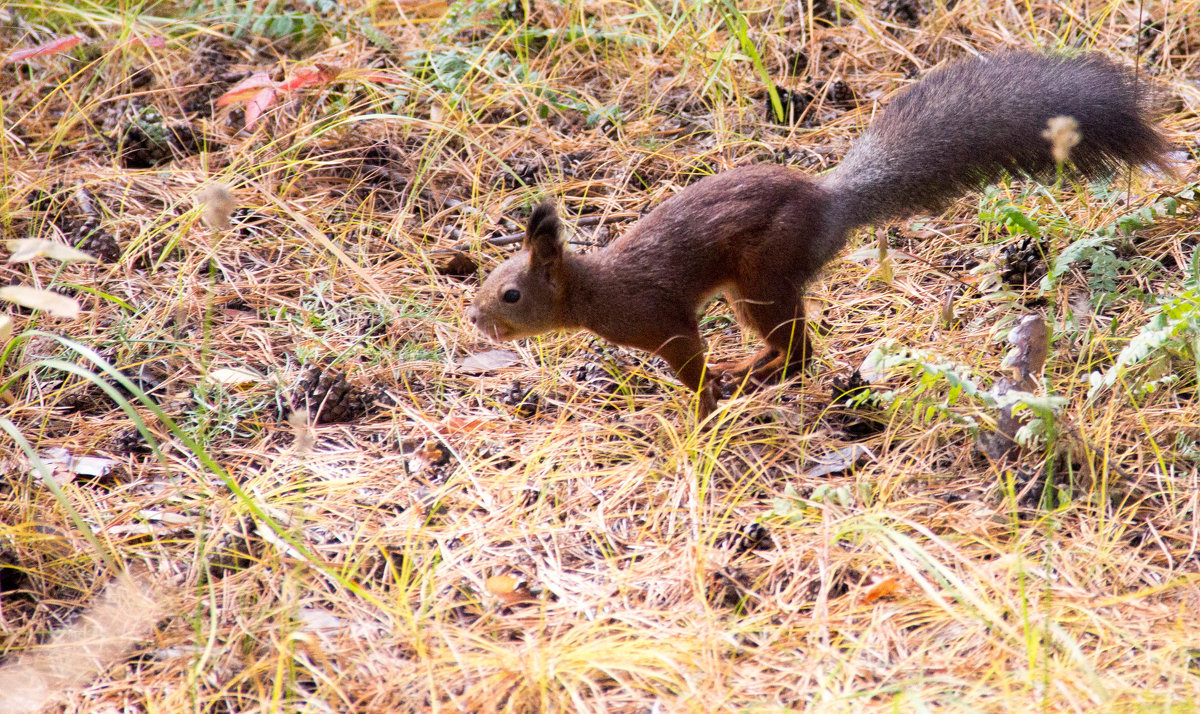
(759, 234)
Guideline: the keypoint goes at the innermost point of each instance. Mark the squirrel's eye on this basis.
(512, 295)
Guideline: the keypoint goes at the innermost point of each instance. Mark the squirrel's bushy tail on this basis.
(964, 126)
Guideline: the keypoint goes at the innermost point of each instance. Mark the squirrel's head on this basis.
(524, 296)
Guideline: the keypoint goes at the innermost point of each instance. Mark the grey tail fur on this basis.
(964, 126)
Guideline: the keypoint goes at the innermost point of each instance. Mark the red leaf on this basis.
(155, 42)
(462, 425)
(259, 104)
(379, 77)
(61, 44)
(248, 89)
(310, 76)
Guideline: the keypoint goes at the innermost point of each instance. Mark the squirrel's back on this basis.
(967, 124)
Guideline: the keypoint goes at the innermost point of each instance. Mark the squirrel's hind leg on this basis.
(779, 318)
(735, 372)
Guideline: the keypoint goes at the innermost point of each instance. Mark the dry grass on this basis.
(651, 567)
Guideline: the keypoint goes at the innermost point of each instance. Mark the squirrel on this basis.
(760, 233)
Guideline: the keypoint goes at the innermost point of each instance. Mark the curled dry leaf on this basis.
(257, 91)
(887, 587)
(53, 303)
(258, 104)
(310, 76)
(247, 89)
(1025, 362)
(233, 377)
(509, 589)
(1028, 355)
(840, 460)
(154, 42)
(28, 249)
(429, 454)
(458, 265)
(874, 368)
(65, 466)
(948, 308)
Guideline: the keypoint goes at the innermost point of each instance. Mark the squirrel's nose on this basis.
(473, 315)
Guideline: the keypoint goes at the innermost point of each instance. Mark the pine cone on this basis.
(752, 536)
(330, 398)
(1024, 262)
(905, 11)
(130, 441)
(89, 237)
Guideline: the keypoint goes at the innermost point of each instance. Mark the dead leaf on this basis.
(62, 44)
(320, 621)
(51, 302)
(948, 308)
(873, 370)
(842, 459)
(64, 466)
(509, 589)
(429, 454)
(886, 272)
(159, 523)
(247, 89)
(310, 76)
(233, 377)
(489, 360)
(882, 588)
(257, 105)
(862, 255)
(1025, 362)
(1028, 355)
(157, 42)
(378, 77)
(463, 425)
(458, 265)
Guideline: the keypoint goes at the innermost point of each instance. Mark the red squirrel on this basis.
(760, 233)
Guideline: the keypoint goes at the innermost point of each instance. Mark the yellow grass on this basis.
(350, 567)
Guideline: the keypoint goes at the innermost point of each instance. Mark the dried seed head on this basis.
(303, 430)
(1063, 135)
(218, 205)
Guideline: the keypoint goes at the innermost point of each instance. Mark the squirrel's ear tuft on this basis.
(541, 234)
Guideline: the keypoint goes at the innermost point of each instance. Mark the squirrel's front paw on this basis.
(709, 394)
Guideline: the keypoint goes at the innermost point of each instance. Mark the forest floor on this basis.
(259, 460)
